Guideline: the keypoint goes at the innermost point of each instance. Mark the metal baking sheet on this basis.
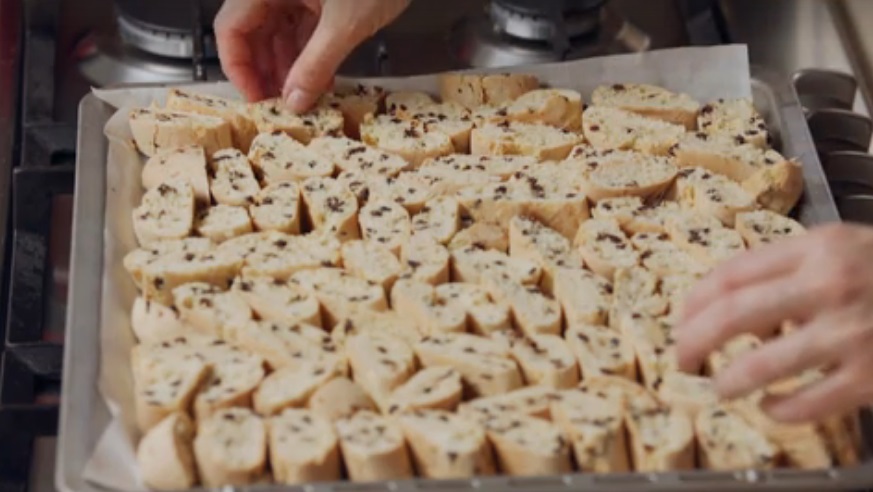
(85, 416)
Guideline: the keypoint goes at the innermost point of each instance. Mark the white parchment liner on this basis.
(704, 73)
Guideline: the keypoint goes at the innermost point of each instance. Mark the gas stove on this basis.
(64, 47)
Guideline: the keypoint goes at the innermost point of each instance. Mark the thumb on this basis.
(313, 71)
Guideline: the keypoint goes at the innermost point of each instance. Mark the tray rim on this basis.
(84, 415)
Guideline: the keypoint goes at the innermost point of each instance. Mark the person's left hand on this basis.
(823, 281)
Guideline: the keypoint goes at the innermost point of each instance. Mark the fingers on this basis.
(837, 393)
(757, 309)
(234, 24)
(808, 348)
(343, 25)
(749, 268)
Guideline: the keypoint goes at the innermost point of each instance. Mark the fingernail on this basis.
(298, 100)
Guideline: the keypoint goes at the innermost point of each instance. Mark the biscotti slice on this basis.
(410, 189)
(161, 276)
(604, 247)
(560, 108)
(373, 448)
(635, 292)
(431, 388)
(728, 443)
(498, 167)
(277, 208)
(155, 129)
(165, 455)
(764, 227)
(712, 194)
(475, 265)
(278, 300)
(485, 315)
(380, 322)
(354, 102)
(291, 386)
(612, 128)
(340, 293)
(584, 296)
(720, 359)
(734, 118)
(663, 257)
(285, 344)
(601, 351)
(484, 364)
(151, 321)
(208, 309)
(331, 208)
(279, 255)
(723, 155)
(533, 311)
(628, 393)
(595, 428)
(231, 448)
(687, 392)
(385, 222)
(527, 139)
(232, 179)
(380, 363)
(634, 216)
(440, 219)
(164, 384)
(352, 155)
(533, 401)
(649, 100)
(445, 445)
(661, 439)
(497, 203)
(529, 239)
(233, 111)
(424, 260)
(450, 119)
(272, 115)
(528, 446)
(676, 289)
(166, 212)
(474, 90)
(705, 238)
(410, 139)
(371, 261)
(223, 222)
(235, 375)
(276, 157)
(184, 163)
(841, 434)
(618, 173)
(303, 447)
(481, 235)
(340, 398)
(401, 102)
(654, 345)
(801, 445)
(418, 301)
(137, 260)
(446, 182)
(546, 360)
(775, 182)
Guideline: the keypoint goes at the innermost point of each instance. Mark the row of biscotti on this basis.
(604, 425)
(528, 121)
(529, 254)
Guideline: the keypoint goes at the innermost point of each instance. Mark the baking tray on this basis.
(84, 415)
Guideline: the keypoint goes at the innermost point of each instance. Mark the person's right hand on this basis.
(293, 48)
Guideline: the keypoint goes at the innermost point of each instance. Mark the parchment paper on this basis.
(704, 73)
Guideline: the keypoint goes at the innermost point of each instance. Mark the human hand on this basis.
(823, 281)
(294, 47)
